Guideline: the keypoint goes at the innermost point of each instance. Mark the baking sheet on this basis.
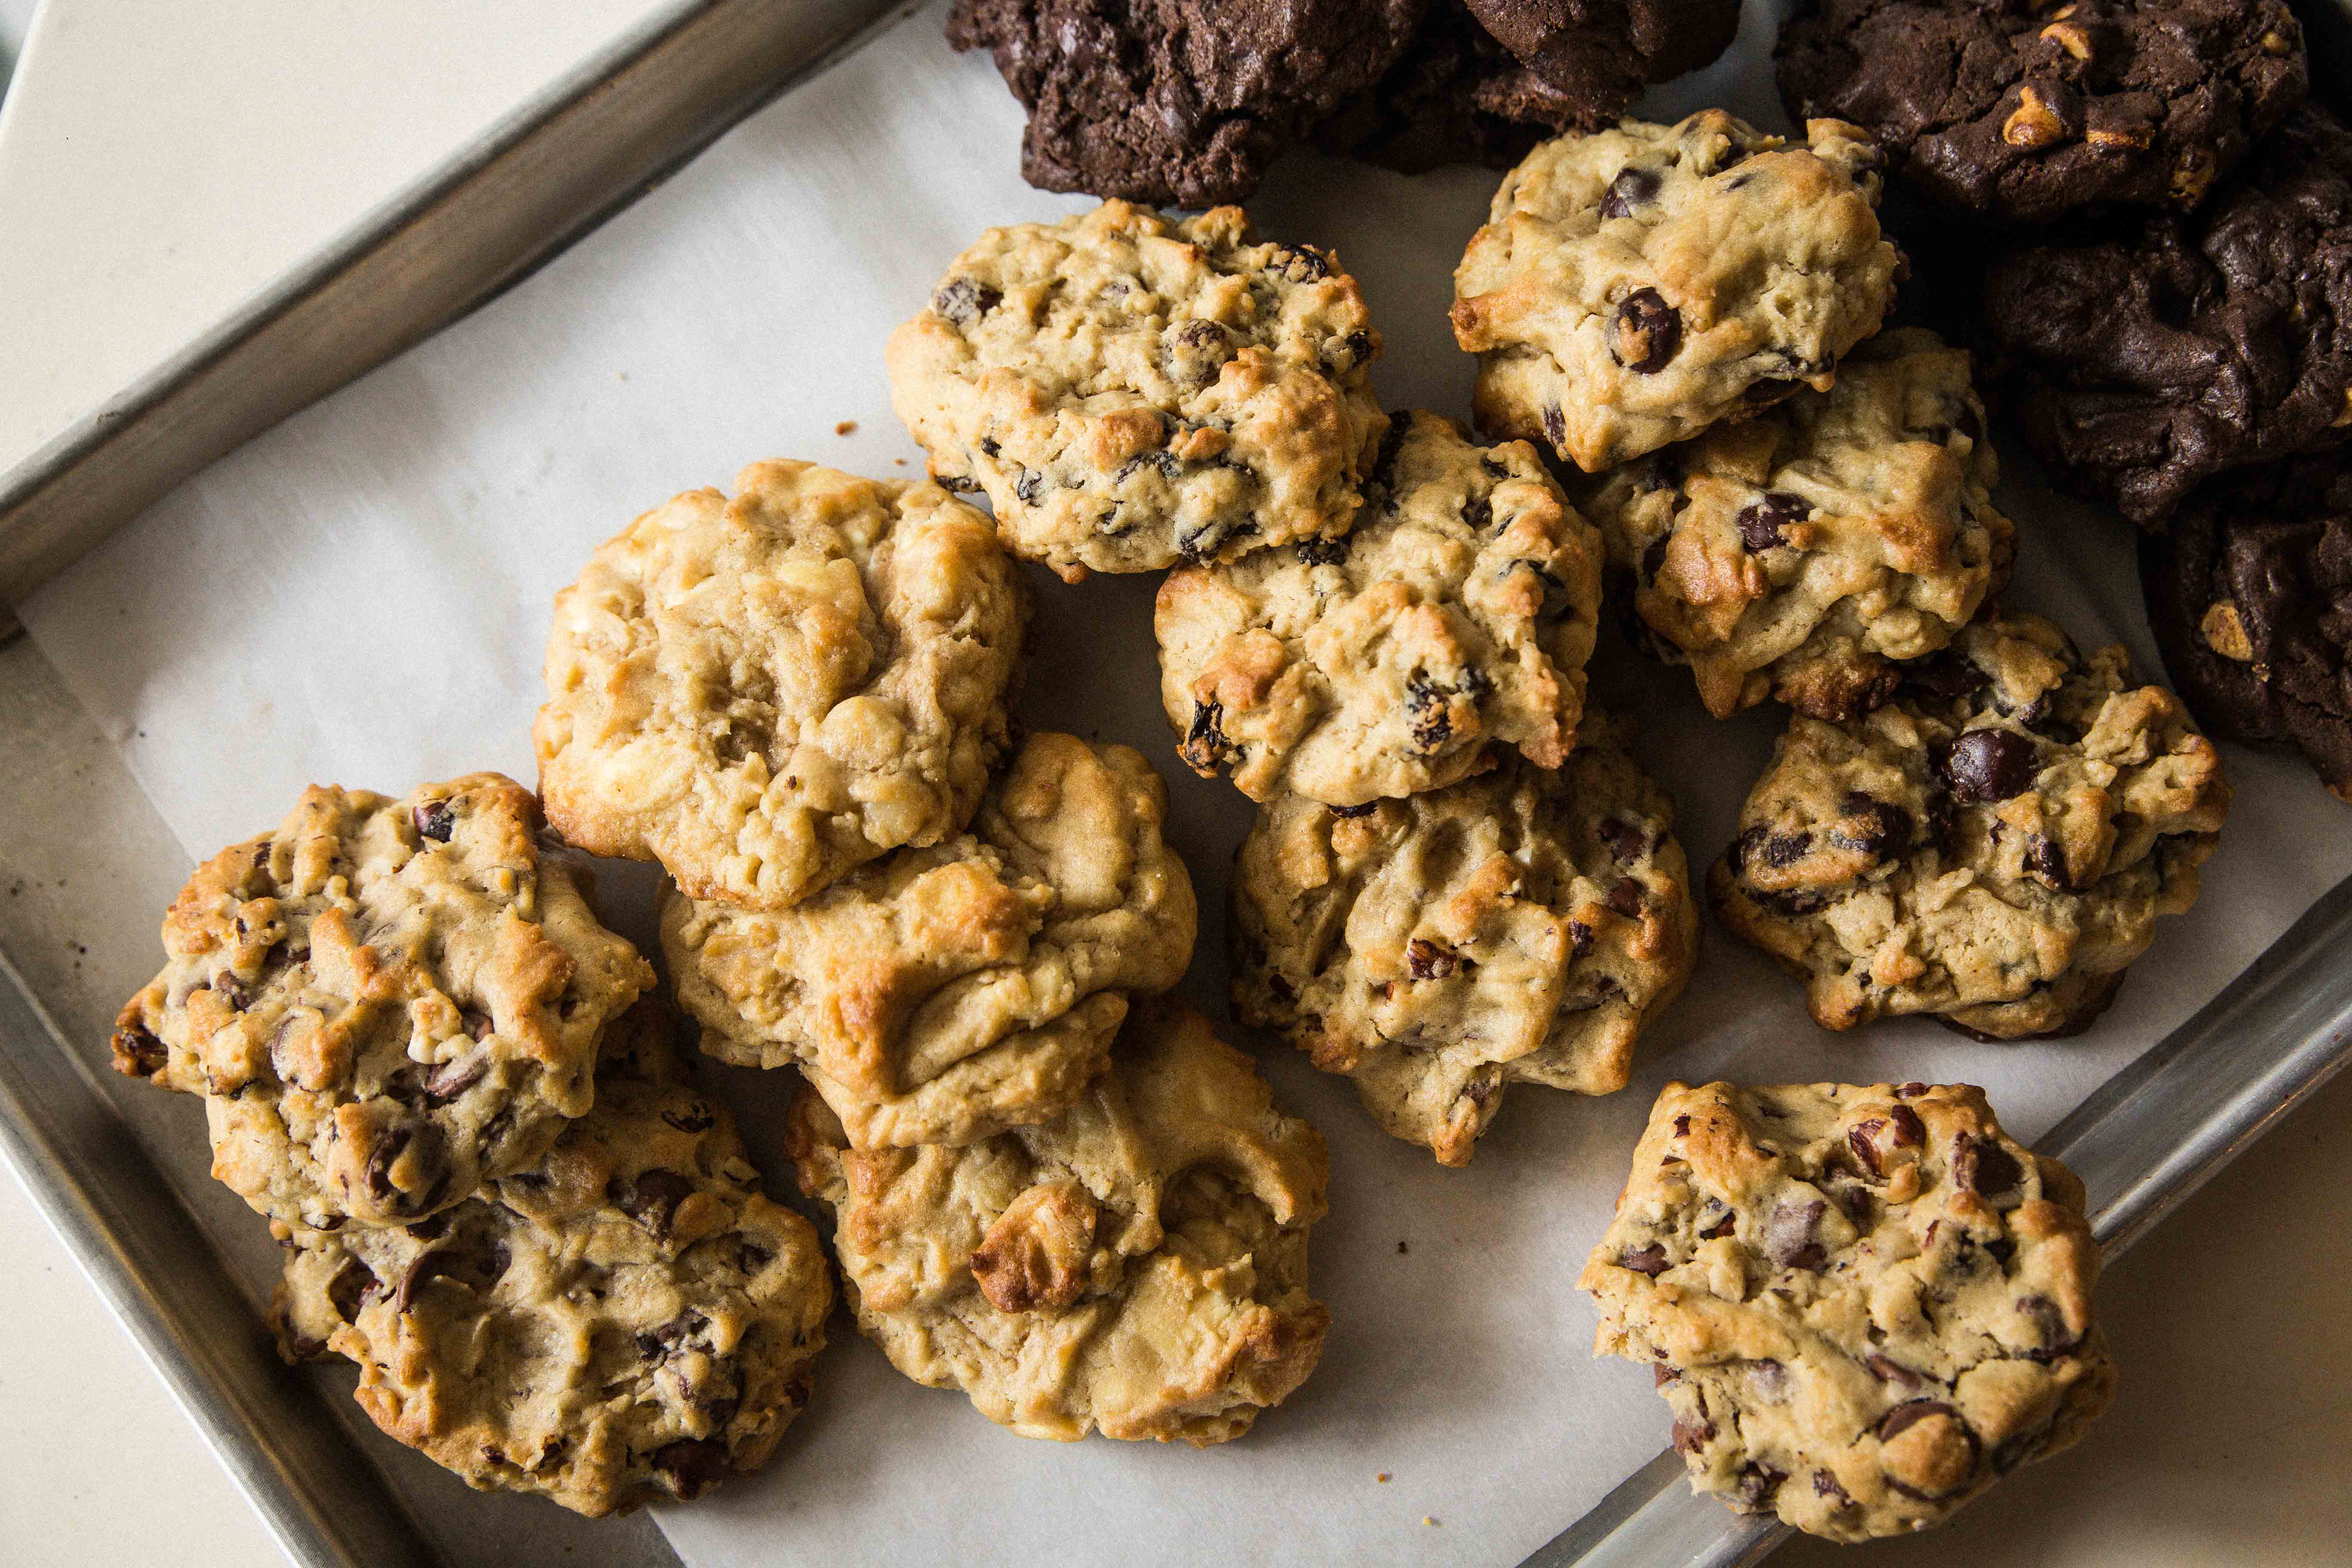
(360, 597)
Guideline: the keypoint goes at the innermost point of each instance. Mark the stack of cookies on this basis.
(1043, 1174)
(2168, 225)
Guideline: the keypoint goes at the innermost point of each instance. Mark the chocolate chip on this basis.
(1788, 1234)
(1990, 765)
(1625, 841)
(1983, 1167)
(453, 1079)
(1691, 1434)
(1392, 442)
(962, 300)
(1825, 1485)
(694, 1116)
(1727, 1225)
(428, 1267)
(1771, 390)
(1478, 514)
(1580, 939)
(353, 1288)
(1631, 188)
(691, 1465)
(431, 1154)
(1206, 747)
(1321, 552)
(1366, 809)
(1650, 1260)
(1426, 961)
(226, 988)
(1625, 898)
(1682, 1126)
(652, 1199)
(1426, 704)
(1758, 1483)
(1878, 828)
(1555, 425)
(1945, 677)
(434, 820)
(138, 1053)
(1760, 522)
(1300, 263)
(1359, 348)
(1786, 848)
(989, 448)
(1873, 1138)
(2056, 1340)
(1647, 334)
(1889, 1370)
(2049, 862)
(1661, 1374)
(1654, 557)
(1027, 488)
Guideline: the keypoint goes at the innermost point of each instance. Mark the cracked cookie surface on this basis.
(1452, 623)
(1863, 1305)
(1181, 101)
(2251, 596)
(1633, 286)
(763, 692)
(1994, 846)
(1137, 1267)
(1798, 554)
(1456, 96)
(1598, 54)
(2026, 112)
(1522, 926)
(628, 1321)
(2151, 357)
(384, 1002)
(942, 995)
(1133, 390)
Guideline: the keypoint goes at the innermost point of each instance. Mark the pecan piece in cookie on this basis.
(939, 996)
(1522, 926)
(384, 1002)
(762, 692)
(551, 1335)
(1133, 390)
(1632, 287)
(1453, 622)
(1135, 1266)
(1863, 1305)
(1800, 553)
(1993, 847)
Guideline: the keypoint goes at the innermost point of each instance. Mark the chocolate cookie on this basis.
(1599, 54)
(2150, 360)
(1176, 102)
(1455, 97)
(2019, 112)
(2251, 596)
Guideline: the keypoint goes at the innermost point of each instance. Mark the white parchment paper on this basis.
(362, 596)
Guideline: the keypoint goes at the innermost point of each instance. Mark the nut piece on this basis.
(1035, 1253)
(2069, 38)
(2033, 126)
(2225, 634)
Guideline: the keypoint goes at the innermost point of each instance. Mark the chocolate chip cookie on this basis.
(1599, 55)
(1137, 1267)
(764, 691)
(1993, 847)
(1864, 1306)
(1132, 391)
(1634, 286)
(1522, 926)
(2024, 112)
(1456, 96)
(628, 1321)
(2251, 596)
(1176, 102)
(2148, 360)
(1452, 624)
(1800, 554)
(942, 995)
(384, 1002)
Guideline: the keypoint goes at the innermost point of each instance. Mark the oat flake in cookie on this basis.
(1993, 847)
(942, 995)
(2150, 358)
(2025, 112)
(1181, 101)
(384, 1002)
(2251, 596)
(765, 691)
(1137, 1267)
(629, 1321)
(1133, 390)
(1798, 554)
(1521, 927)
(1863, 1305)
(1452, 624)
(1632, 287)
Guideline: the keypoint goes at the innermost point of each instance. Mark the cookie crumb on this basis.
(1403, 1249)
(1383, 1478)
(1427, 1520)
(846, 427)
(900, 461)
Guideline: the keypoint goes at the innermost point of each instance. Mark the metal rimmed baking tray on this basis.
(120, 1183)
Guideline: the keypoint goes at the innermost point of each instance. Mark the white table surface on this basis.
(2231, 1441)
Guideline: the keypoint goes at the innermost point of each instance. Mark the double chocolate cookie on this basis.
(1456, 96)
(1177, 102)
(2251, 596)
(2150, 360)
(1598, 54)
(2021, 113)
